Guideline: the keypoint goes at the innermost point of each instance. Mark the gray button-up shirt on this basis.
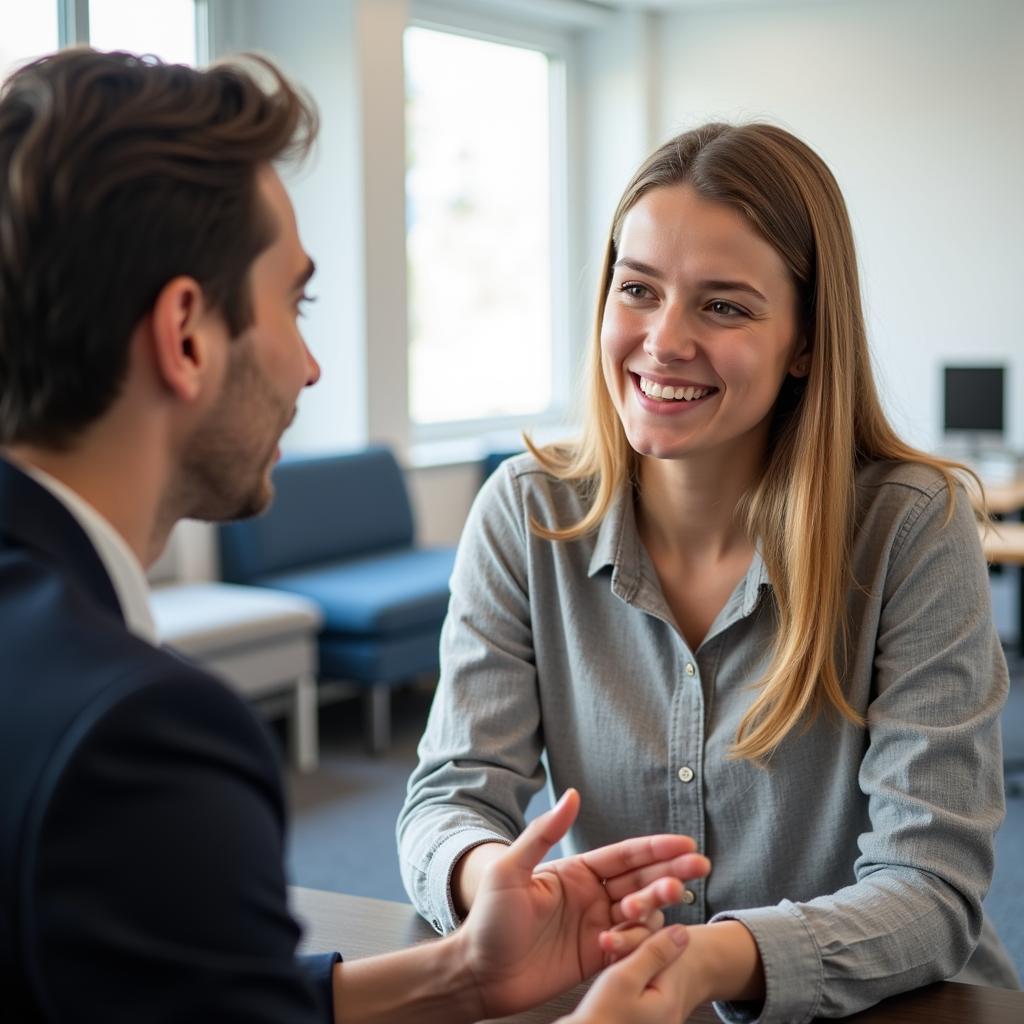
(858, 858)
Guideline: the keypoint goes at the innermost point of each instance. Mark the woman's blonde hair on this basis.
(801, 510)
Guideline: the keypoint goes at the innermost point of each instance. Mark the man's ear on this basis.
(183, 329)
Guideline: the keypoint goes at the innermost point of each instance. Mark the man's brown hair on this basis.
(119, 173)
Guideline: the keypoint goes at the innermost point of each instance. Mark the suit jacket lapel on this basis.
(32, 517)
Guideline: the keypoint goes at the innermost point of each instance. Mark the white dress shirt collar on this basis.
(125, 572)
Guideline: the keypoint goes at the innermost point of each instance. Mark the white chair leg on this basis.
(377, 705)
(303, 725)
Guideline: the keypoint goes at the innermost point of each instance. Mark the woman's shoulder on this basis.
(537, 487)
(895, 497)
(544, 475)
(901, 479)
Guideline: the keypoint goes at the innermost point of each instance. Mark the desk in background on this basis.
(1005, 498)
(1003, 544)
(358, 927)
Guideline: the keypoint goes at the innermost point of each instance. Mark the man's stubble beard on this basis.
(225, 470)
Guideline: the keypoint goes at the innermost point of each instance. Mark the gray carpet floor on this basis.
(343, 816)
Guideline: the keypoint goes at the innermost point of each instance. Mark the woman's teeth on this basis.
(667, 393)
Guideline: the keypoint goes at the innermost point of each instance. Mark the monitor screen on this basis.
(974, 398)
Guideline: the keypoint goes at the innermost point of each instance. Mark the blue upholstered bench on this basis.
(340, 531)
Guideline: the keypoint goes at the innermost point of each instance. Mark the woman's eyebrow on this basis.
(716, 285)
(731, 286)
(640, 268)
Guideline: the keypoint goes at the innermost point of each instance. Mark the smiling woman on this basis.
(669, 322)
(740, 608)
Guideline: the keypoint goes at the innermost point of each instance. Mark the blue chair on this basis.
(492, 460)
(340, 532)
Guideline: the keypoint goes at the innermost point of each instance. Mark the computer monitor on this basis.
(973, 406)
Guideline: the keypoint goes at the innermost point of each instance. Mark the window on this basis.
(29, 30)
(166, 28)
(484, 274)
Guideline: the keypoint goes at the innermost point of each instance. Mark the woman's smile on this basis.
(670, 399)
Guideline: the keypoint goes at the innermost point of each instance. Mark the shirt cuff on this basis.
(319, 969)
(439, 872)
(792, 967)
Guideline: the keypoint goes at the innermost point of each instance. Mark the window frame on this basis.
(73, 26)
(558, 44)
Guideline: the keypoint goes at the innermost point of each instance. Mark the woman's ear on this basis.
(800, 365)
(181, 328)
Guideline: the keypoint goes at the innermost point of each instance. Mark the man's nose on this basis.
(312, 367)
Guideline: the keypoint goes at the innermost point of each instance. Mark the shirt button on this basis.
(690, 670)
(685, 774)
(688, 897)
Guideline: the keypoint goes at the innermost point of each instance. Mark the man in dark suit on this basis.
(151, 276)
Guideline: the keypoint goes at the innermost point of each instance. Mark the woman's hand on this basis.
(536, 931)
(647, 987)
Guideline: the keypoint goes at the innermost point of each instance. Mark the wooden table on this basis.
(358, 927)
(1005, 498)
(1003, 543)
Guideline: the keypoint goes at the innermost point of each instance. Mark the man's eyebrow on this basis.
(307, 272)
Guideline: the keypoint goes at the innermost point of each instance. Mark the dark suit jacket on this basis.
(141, 810)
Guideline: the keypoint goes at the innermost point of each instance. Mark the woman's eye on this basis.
(304, 301)
(635, 290)
(722, 308)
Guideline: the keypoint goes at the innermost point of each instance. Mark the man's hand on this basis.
(536, 931)
(645, 988)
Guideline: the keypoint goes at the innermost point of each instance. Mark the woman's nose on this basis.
(670, 337)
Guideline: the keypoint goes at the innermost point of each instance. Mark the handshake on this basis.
(537, 930)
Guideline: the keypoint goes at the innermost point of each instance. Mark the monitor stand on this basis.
(984, 451)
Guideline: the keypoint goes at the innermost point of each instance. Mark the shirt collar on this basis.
(618, 545)
(123, 568)
(618, 541)
(754, 581)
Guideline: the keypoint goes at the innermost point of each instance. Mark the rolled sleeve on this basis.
(791, 963)
(479, 759)
(437, 894)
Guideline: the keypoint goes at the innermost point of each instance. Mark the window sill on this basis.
(456, 451)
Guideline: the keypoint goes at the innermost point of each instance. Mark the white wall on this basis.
(619, 92)
(328, 47)
(918, 107)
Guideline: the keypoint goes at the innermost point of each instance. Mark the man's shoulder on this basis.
(78, 685)
(60, 640)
